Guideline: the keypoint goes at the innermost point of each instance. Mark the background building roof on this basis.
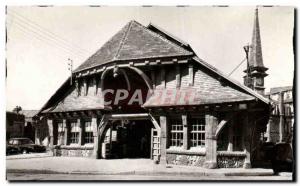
(29, 113)
(280, 89)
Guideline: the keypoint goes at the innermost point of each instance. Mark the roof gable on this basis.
(134, 41)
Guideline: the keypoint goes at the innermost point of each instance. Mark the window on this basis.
(176, 137)
(74, 132)
(88, 136)
(198, 132)
(61, 132)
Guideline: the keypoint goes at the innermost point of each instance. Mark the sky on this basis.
(41, 39)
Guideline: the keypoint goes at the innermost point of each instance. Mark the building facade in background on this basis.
(14, 125)
(35, 128)
(280, 126)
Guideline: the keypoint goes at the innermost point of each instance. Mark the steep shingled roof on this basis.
(207, 89)
(72, 102)
(134, 41)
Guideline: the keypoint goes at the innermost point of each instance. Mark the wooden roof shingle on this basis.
(134, 41)
(72, 102)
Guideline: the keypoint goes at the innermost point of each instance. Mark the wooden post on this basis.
(80, 140)
(247, 140)
(281, 117)
(211, 122)
(268, 131)
(66, 132)
(153, 77)
(230, 137)
(163, 77)
(85, 87)
(101, 134)
(191, 75)
(37, 134)
(163, 140)
(185, 132)
(95, 85)
(99, 88)
(77, 87)
(95, 134)
(60, 140)
(178, 77)
(51, 140)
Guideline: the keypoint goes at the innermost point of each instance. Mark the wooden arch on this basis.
(103, 75)
(223, 123)
(145, 78)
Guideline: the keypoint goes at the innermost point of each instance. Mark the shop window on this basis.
(74, 132)
(61, 132)
(176, 133)
(197, 137)
(88, 135)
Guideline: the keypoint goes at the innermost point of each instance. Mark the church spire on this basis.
(256, 59)
(255, 72)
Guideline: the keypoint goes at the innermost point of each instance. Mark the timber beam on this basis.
(147, 62)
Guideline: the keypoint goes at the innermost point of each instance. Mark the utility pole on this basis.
(247, 83)
(70, 67)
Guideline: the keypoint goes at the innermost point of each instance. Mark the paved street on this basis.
(66, 177)
(45, 167)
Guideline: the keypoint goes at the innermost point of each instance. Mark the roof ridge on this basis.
(94, 53)
(168, 34)
(163, 38)
(122, 40)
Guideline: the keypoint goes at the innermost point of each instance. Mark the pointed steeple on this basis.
(255, 58)
(256, 71)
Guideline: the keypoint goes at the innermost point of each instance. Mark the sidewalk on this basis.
(28, 156)
(77, 165)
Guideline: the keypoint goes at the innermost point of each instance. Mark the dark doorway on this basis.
(129, 139)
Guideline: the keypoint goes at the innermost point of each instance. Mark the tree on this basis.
(17, 109)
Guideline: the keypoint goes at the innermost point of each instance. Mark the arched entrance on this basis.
(125, 89)
(128, 136)
(128, 130)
